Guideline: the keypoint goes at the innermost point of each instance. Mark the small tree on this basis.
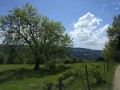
(44, 37)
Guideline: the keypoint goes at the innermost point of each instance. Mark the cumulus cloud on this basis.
(87, 31)
(87, 21)
(98, 37)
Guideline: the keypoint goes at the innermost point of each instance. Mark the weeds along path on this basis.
(117, 79)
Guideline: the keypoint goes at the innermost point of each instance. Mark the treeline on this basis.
(16, 54)
(22, 54)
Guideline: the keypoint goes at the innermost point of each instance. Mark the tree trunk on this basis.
(37, 62)
(37, 65)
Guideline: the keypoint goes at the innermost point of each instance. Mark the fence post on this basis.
(60, 83)
(87, 77)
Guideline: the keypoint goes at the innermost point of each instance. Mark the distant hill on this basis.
(86, 54)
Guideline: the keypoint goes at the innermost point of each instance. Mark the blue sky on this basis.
(86, 21)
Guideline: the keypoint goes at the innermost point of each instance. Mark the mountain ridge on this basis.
(84, 53)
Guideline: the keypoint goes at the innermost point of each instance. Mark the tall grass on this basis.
(23, 77)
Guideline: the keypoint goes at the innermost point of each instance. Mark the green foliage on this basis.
(45, 38)
(67, 60)
(2, 58)
(112, 48)
(13, 56)
(22, 77)
(26, 54)
(51, 64)
(98, 74)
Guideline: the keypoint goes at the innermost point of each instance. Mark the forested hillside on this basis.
(86, 54)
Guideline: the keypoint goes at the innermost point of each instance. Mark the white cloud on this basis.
(86, 31)
(87, 21)
(98, 37)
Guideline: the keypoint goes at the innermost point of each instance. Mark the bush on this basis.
(98, 75)
(51, 64)
(2, 58)
(14, 58)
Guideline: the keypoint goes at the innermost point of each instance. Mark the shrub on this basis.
(51, 64)
(98, 75)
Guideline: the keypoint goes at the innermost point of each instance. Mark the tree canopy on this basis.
(112, 48)
(24, 26)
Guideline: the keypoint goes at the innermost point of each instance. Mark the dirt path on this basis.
(117, 79)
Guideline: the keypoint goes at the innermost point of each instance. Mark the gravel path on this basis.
(117, 79)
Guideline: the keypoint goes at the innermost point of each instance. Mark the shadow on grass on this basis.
(19, 74)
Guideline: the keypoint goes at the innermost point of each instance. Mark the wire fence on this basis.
(88, 79)
(89, 76)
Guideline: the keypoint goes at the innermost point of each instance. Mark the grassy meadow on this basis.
(23, 77)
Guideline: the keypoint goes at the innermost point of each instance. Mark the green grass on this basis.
(23, 77)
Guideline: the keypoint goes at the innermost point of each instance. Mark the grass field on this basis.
(23, 77)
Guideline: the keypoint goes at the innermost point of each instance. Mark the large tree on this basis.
(24, 26)
(112, 49)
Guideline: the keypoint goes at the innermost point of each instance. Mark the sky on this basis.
(86, 21)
